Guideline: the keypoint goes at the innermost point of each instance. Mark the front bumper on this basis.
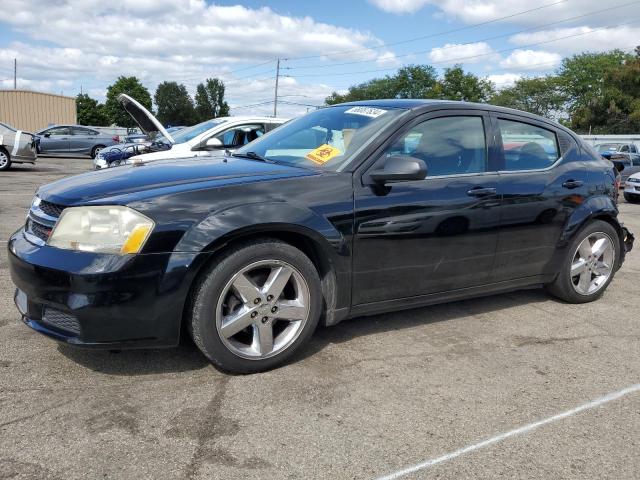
(99, 300)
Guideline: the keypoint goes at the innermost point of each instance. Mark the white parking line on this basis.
(512, 433)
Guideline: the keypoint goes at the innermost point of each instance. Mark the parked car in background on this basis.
(339, 213)
(73, 139)
(16, 146)
(627, 163)
(632, 188)
(216, 135)
(616, 147)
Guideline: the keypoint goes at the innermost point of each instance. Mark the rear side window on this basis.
(526, 146)
(448, 145)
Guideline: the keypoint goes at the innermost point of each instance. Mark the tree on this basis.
(413, 81)
(209, 100)
(175, 106)
(540, 95)
(90, 112)
(617, 108)
(132, 87)
(582, 77)
(458, 85)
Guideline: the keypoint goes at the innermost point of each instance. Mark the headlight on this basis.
(108, 229)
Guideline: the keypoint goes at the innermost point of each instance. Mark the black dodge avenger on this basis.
(350, 210)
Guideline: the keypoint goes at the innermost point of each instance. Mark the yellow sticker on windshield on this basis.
(323, 154)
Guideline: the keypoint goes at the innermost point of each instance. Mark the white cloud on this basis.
(505, 79)
(462, 53)
(400, 6)
(583, 38)
(387, 59)
(531, 60)
(92, 42)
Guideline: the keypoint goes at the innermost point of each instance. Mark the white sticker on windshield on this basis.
(366, 111)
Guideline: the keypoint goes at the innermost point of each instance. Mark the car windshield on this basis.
(607, 147)
(326, 138)
(8, 127)
(189, 133)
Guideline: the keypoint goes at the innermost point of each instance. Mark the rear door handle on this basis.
(481, 191)
(572, 184)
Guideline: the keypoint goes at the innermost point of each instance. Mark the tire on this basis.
(95, 150)
(597, 271)
(629, 197)
(5, 160)
(216, 301)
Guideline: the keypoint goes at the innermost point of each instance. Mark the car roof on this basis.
(432, 104)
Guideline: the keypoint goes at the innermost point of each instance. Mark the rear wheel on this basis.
(253, 309)
(590, 264)
(96, 150)
(5, 160)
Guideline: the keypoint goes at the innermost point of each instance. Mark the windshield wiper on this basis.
(252, 156)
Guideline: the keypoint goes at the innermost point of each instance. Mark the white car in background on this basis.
(632, 188)
(216, 135)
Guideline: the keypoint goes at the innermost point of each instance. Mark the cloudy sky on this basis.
(65, 45)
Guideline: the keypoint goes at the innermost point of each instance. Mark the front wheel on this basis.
(253, 309)
(5, 160)
(590, 264)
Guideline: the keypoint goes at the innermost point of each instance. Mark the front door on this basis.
(55, 140)
(433, 235)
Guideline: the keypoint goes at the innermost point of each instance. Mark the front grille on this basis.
(62, 321)
(51, 209)
(36, 229)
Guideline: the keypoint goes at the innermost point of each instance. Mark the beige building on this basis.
(32, 111)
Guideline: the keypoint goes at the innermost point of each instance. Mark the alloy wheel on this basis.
(263, 309)
(4, 160)
(592, 263)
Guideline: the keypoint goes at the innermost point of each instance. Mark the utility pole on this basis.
(275, 100)
(15, 73)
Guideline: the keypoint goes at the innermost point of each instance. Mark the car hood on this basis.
(143, 117)
(130, 183)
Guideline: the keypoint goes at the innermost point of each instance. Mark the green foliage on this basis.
(90, 112)
(541, 96)
(458, 85)
(420, 81)
(175, 106)
(132, 87)
(210, 101)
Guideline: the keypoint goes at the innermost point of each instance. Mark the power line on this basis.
(539, 27)
(432, 35)
(469, 57)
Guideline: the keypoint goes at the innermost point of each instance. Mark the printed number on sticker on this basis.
(323, 154)
(366, 111)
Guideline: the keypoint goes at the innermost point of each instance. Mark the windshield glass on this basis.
(326, 138)
(7, 127)
(186, 134)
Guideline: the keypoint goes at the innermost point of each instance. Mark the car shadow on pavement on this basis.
(411, 318)
(186, 357)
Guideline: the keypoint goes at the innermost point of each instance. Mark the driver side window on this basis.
(58, 131)
(448, 145)
(239, 136)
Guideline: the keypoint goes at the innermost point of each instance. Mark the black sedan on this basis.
(350, 210)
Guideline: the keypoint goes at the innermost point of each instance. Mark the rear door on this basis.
(542, 181)
(82, 140)
(433, 235)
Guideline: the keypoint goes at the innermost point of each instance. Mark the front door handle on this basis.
(481, 191)
(572, 184)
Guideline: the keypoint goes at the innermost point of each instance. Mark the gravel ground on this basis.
(369, 397)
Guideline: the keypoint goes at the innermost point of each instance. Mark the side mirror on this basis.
(398, 168)
(619, 166)
(47, 135)
(213, 143)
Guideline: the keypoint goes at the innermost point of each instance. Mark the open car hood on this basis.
(143, 117)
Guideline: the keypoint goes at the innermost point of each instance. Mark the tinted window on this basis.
(527, 147)
(83, 131)
(241, 135)
(57, 131)
(448, 145)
